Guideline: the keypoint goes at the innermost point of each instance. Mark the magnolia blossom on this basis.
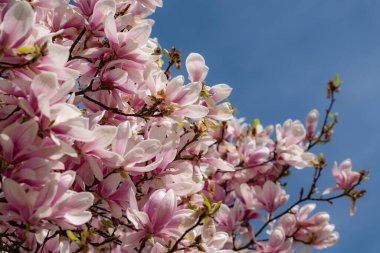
(158, 216)
(311, 122)
(290, 138)
(278, 243)
(104, 149)
(316, 230)
(271, 196)
(345, 178)
(55, 202)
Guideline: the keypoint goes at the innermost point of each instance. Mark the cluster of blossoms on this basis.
(102, 150)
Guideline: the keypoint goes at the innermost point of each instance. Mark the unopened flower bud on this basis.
(312, 121)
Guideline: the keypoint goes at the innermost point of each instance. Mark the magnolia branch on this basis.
(76, 42)
(301, 200)
(325, 129)
(175, 246)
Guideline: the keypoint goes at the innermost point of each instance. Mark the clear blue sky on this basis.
(278, 56)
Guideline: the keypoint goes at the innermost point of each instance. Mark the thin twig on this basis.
(76, 42)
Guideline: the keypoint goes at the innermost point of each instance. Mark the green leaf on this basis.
(167, 54)
(107, 223)
(255, 123)
(189, 238)
(206, 203)
(217, 207)
(83, 236)
(25, 50)
(192, 206)
(337, 81)
(37, 49)
(72, 236)
(204, 219)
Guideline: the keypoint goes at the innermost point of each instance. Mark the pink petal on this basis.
(189, 94)
(110, 184)
(79, 202)
(220, 92)
(45, 84)
(104, 136)
(218, 164)
(165, 211)
(95, 168)
(47, 194)
(17, 24)
(78, 218)
(7, 147)
(58, 54)
(132, 199)
(192, 111)
(196, 67)
(143, 151)
(138, 219)
(16, 196)
(110, 31)
(218, 240)
(146, 168)
(61, 113)
(174, 86)
(140, 34)
(119, 144)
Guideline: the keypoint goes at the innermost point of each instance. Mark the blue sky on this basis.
(278, 56)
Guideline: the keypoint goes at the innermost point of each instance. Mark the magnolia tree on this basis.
(102, 150)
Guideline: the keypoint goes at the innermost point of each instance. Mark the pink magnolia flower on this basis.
(219, 111)
(209, 161)
(248, 196)
(96, 153)
(158, 217)
(150, 4)
(271, 196)
(63, 19)
(136, 152)
(85, 7)
(212, 241)
(20, 142)
(129, 47)
(196, 67)
(345, 178)
(255, 155)
(316, 231)
(115, 191)
(176, 99)
(237, 128)
(85, 98)
(100, 11)
(17, 24)
(311, 122)
(289, 224)
(289, 147)
(34, 171)
(144, 8)
(278, 242)
(185, 98)
(181, 178)
(229, 219)
(54, 202)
